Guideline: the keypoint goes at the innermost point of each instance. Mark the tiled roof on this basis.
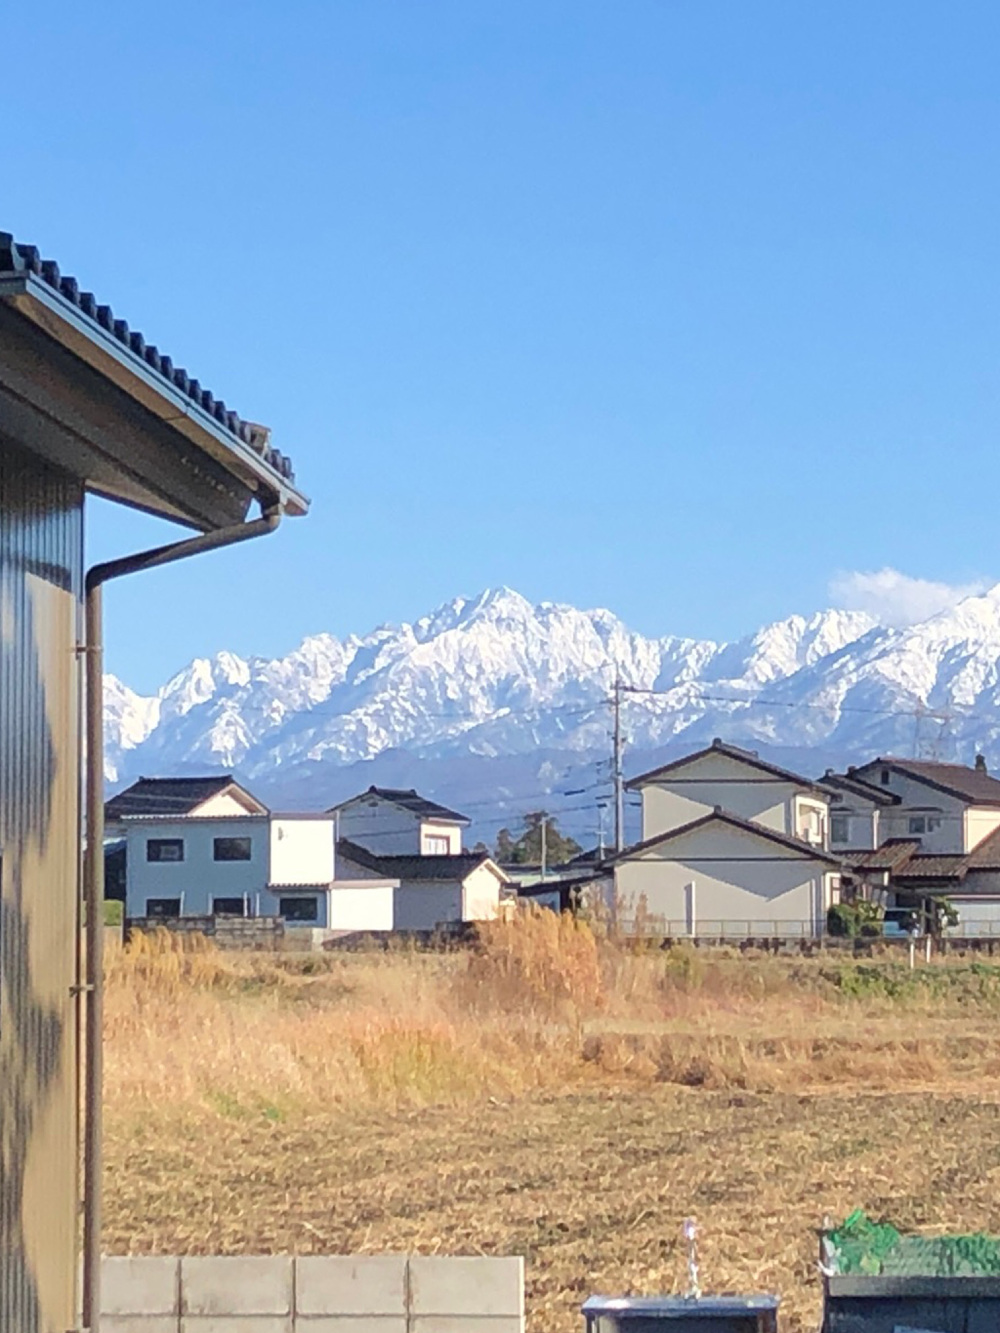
(410, 800)
(168, 796)
(455, 867)
(973, 785)
(749, 757)
(18, 259)
(921, 868)
(892, 853)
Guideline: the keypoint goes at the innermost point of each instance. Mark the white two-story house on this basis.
(390, 821)
(731, 846)
(399, 834)
(208, 847)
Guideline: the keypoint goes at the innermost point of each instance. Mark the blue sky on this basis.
(683, 308)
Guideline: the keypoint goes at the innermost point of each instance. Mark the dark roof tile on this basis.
(168, 796)
(18, 258)
(410, 800)
(973, 785)
(455, 867)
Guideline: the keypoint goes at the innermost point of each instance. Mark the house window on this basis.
(165, 849)
(435, 845)
(933, 823)
(884, 777)
(231, 849)
(228, 907)
(918, 824)
(163, 907)
(840, 828)
(298, 909)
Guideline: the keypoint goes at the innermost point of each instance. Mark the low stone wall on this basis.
(377, 1293)
(261, 933)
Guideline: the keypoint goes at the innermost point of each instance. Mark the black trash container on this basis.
(682, 1314)
(862, 1304)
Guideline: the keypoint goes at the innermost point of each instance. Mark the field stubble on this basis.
(550, 1094)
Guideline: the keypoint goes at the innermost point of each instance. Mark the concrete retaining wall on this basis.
(379, 1293)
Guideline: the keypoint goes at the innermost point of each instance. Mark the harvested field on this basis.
(558, 1098)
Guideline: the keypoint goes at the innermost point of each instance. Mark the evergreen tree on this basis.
(527, 850)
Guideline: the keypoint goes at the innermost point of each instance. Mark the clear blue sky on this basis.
(674, 306)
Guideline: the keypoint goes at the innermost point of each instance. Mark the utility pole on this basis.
(618, 768)
(545, 817)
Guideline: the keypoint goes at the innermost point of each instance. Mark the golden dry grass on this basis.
(550, 1094)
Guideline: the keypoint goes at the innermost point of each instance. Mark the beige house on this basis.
(727, 877)
(732, 846)
(948, 808)
(737, 781)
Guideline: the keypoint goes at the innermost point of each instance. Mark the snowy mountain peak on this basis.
(519, 691)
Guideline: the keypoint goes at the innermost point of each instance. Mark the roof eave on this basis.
(57, 316)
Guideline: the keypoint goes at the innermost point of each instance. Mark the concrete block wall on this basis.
(370, 1293)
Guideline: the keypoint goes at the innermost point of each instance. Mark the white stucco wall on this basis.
(481, 896)
(979, 824)
(452, 834)
(687, 793)
(302, 850)
(199, 877)
(380, 827)
(742, 884)
(810, 820)
(364, 906)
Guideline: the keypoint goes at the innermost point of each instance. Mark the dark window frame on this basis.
(238, 899)
(298, 900)
(232, 843)
(840, 819)
(156, 913)
(159, 844)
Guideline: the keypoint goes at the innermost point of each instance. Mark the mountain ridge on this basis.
(492, 677)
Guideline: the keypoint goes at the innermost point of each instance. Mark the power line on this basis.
(919, 710)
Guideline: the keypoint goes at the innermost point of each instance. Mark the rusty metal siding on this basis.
(41, 565)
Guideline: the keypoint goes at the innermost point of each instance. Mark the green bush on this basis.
(849, 920)
(114, 912)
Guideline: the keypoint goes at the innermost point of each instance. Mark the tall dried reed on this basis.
(539, 1001)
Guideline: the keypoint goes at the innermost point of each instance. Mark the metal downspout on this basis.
(93, 872)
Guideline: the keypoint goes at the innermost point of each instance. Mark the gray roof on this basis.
(15, 258)
(455, 867)
(169, 796)
(24, 275)
(410, 800)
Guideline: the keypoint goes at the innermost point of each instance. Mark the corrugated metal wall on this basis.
(40, 587)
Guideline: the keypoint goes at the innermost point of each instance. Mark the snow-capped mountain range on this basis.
(498, 706)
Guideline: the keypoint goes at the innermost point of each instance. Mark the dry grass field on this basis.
(550, 1094)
